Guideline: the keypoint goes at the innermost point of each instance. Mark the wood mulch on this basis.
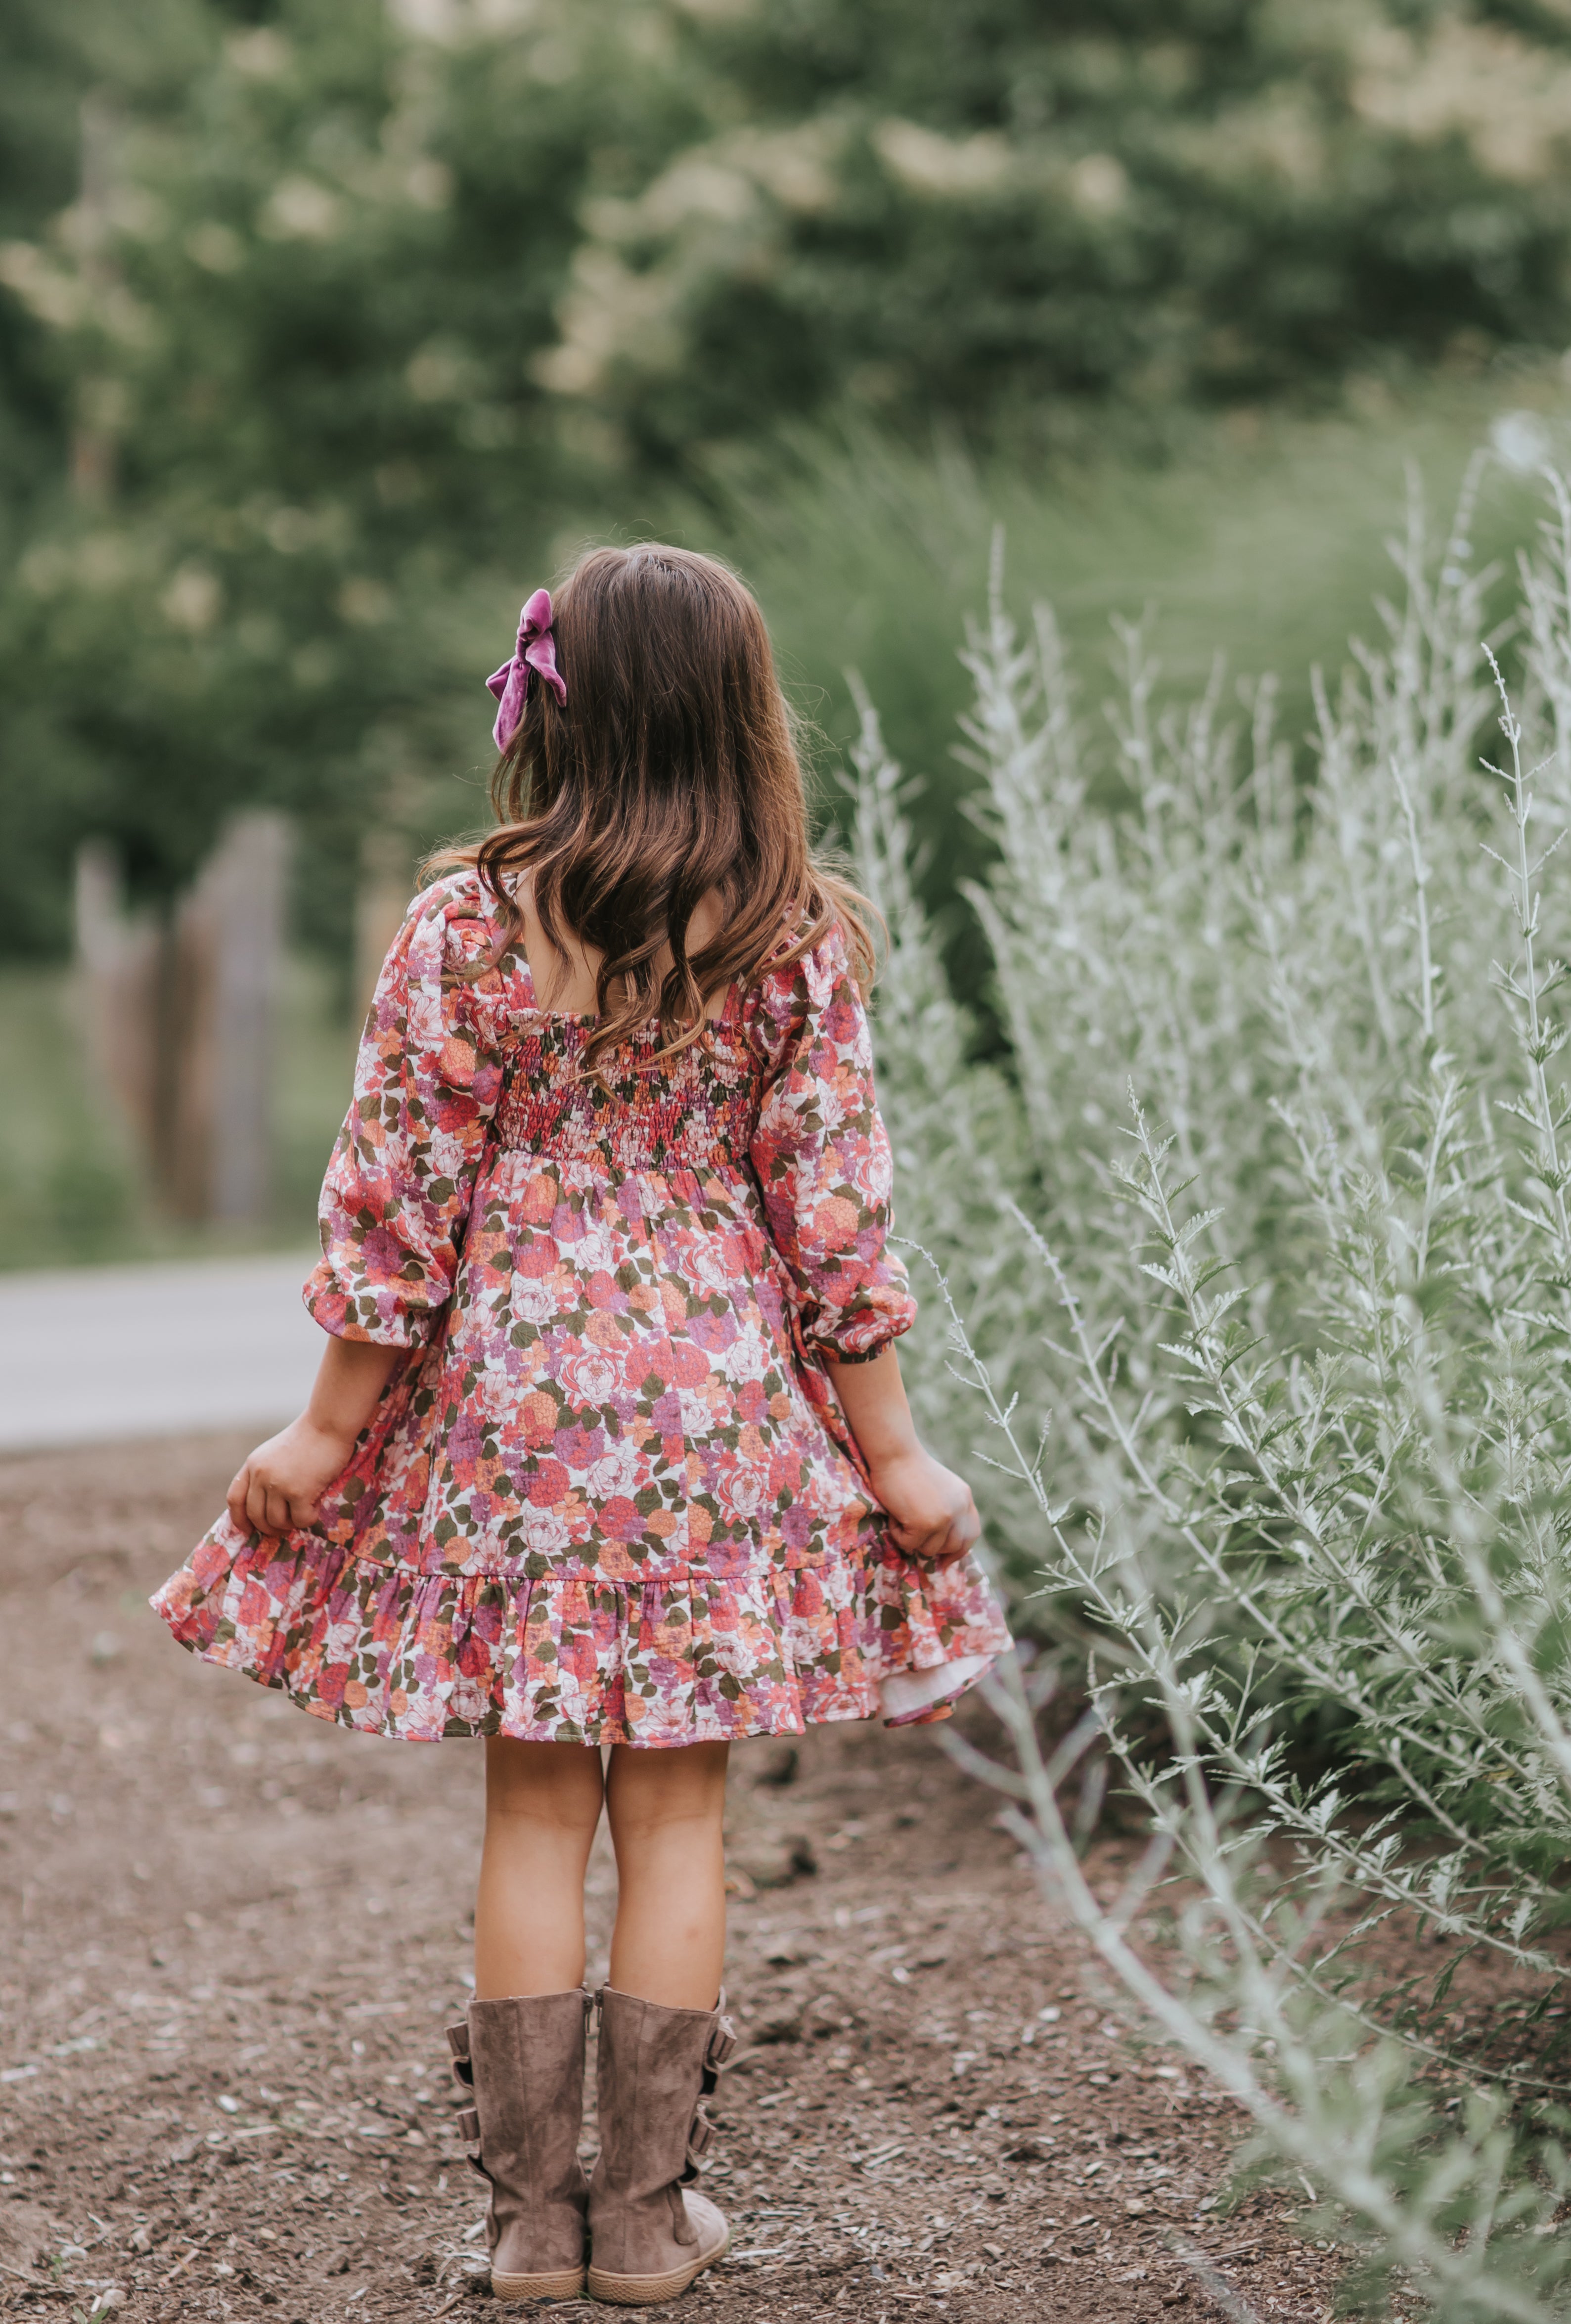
(231, 1936)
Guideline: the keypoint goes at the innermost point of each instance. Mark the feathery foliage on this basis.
(1271, 1224)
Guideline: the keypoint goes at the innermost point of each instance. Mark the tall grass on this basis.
(1269, 1227)
(66, 1183)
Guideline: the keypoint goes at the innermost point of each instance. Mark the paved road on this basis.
(92, 1354)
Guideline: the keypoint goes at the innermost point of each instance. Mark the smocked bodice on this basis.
(488, 1182)
(634, 1110)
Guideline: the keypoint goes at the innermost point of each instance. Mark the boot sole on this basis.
(647, 2290)
(567, 2284)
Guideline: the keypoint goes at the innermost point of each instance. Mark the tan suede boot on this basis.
(650, 2235)
(523, 2062)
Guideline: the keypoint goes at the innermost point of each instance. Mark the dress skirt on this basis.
(578, 1659)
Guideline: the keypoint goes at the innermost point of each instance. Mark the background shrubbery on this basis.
(324, 328)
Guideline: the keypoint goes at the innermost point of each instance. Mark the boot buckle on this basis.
(700, 2137)
(463, 2066)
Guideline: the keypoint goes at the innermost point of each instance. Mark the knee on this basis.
(520, 1811)
(649, 1821)
(523, 1789)
(649, 1803)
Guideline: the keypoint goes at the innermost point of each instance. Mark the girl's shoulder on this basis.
(457, 921)
(795, 986)
(456, 898)
(454, 949)
(818, 969)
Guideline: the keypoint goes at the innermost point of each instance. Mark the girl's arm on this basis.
(930, 1510)
(280, 1488)
(823, 1164)
(397, 1193)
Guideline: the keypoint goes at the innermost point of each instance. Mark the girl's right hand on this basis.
(279, 1490)
(930, 1510)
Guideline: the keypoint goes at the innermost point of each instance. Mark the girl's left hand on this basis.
(930, 1510)
(280, 1488)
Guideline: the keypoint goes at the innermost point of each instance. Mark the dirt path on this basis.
(232, 1937)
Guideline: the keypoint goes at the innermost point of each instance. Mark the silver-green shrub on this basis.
(1267, 1230)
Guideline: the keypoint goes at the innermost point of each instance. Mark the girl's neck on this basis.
(566, 987)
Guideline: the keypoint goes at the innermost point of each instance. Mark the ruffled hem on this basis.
(573, 1658)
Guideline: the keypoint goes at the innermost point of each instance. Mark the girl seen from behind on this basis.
(608, 1446)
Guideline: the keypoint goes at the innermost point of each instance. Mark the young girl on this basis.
(608, 1446)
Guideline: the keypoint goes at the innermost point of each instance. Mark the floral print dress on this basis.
(609, 1497)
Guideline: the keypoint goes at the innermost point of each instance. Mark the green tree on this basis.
(303, 328)
(365, 302)
(1000, 210)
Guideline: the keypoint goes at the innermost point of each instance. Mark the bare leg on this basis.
(543, 1803)
(667, 1811)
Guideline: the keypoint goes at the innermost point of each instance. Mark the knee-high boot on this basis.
(523, 2062)
(651, 2233)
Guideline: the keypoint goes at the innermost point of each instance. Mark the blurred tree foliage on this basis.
(998, 208)
(318, 322)
(293, 319)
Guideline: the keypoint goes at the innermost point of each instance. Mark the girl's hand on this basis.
(930, 1510)
(931, 1513)
(280, 1488)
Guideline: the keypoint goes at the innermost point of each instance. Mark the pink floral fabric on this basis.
(609, 1497)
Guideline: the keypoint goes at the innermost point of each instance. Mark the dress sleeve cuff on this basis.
(370, 1315)
(861, 1333)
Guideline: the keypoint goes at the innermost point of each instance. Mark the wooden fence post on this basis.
(181, 1018)
(381, 901)
(117, 969)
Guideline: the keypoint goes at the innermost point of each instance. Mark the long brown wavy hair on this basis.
(671, 773)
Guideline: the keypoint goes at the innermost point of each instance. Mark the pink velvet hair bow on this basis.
(536, 649)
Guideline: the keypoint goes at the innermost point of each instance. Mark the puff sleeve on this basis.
(822, 1158)
(397, 1193)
